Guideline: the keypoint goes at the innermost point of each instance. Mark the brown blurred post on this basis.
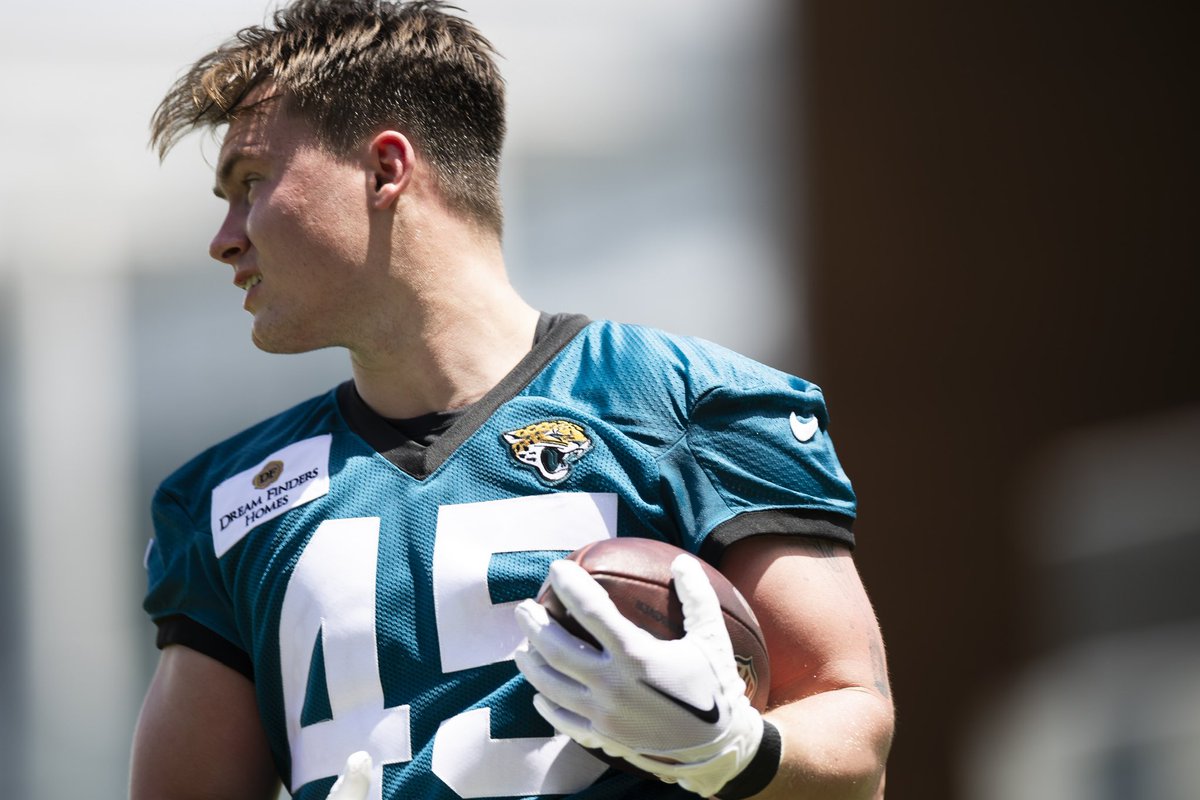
(1002, 244)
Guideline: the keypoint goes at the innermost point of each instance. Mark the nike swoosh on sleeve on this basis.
(803, 429)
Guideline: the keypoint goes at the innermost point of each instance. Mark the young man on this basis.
(345, 577)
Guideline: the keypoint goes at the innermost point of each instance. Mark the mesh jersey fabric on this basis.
(374, 596)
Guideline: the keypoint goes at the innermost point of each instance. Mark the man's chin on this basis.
(274, 342)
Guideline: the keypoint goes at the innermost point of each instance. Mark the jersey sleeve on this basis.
(185, 587)
(756, 457)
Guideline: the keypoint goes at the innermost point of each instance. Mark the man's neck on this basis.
(442, 325)
(446, 355)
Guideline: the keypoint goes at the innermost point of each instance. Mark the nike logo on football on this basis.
(803, 429)
(709, 715)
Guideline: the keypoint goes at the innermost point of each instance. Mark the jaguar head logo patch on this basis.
(550, 447)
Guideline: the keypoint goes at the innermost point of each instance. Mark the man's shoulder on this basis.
(700, 362)
(313, 417)
(661, 383)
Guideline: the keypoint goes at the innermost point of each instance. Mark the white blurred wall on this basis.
(640, 173)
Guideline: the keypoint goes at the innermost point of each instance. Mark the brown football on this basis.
(636, 573)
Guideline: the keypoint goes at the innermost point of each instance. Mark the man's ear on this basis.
(391, 158)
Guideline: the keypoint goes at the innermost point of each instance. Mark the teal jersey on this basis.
(369, 581)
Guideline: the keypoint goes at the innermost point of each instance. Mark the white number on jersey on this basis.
(332, 595)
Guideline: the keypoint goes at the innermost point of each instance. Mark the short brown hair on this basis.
(354, 67)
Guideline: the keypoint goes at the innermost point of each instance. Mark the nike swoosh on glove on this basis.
(355, 780)
(676, 709)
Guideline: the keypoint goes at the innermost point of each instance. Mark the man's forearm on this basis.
(835, 746)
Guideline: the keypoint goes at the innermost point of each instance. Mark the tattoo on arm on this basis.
(847, 579)
(879, 668)
(830, 555)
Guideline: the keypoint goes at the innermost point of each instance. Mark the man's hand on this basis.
(355, 780)
(676, 709)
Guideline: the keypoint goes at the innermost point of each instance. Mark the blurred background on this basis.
(974, 227)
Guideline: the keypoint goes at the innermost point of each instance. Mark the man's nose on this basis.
(230, 242)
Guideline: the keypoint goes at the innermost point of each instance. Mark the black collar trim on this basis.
(554, 333)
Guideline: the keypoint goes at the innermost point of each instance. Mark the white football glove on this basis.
(355, 780)
(677, 709)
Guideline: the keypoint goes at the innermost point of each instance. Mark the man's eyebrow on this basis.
(225, 170)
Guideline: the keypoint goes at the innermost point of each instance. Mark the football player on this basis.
(343, 589)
